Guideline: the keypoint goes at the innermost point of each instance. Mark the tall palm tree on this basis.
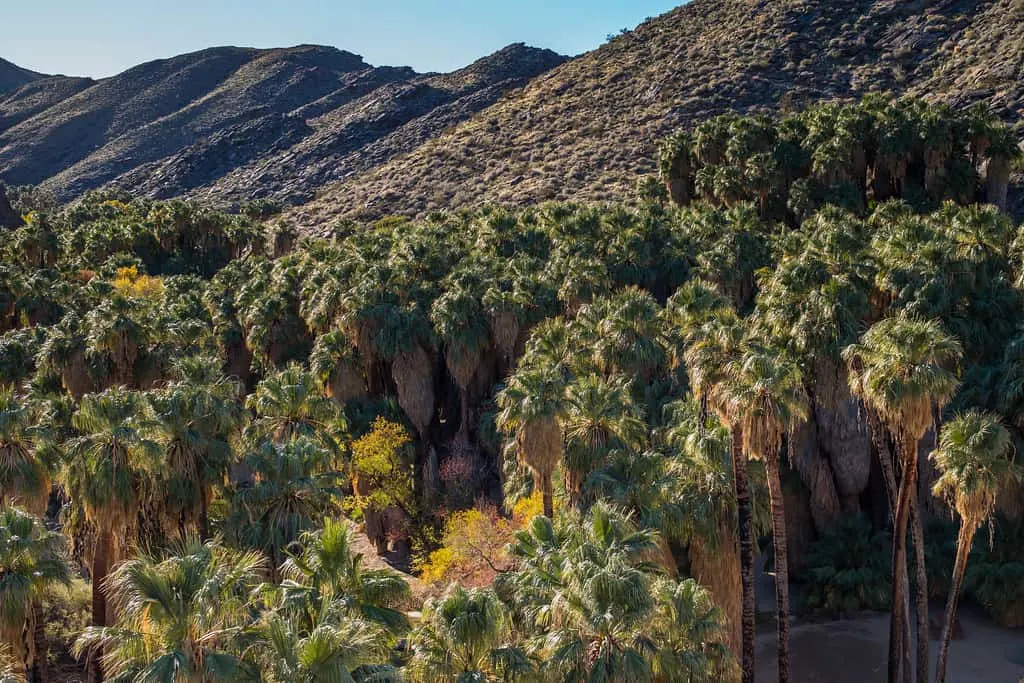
(464, 636)
(294, 488)
(530, 407)
(716, 343)
(901, 369)
(176, 615)
(291, 404)
(764, 394)
(600, 416)
(284, 649)
(24, 475)
(461, 323)
(109, 471)
(193, 427)
(328, 570)
(975, 459)
(31, 560)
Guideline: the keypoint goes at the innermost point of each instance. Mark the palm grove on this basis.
(806, 335)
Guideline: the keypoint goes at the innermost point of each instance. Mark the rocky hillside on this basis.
(251, 123)
(13, 77)
(587, 128)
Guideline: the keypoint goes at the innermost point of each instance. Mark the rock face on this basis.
(585, 130)
(235, 124)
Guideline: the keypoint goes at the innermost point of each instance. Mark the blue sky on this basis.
(103, 37)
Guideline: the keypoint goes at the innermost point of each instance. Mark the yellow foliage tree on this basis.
(131, 283)
(473, 547)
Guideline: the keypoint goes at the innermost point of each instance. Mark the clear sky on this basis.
(103, 37)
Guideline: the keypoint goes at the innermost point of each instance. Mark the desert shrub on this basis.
(66, 612)
(848, 569)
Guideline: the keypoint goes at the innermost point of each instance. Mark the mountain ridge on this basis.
(317, 127)
(170, 126)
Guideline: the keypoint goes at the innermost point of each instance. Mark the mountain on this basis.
(13, 77)
(290, 116)
(319, 126)
(584, 131)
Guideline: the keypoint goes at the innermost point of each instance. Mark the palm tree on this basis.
(294, 488)
(676, 167)
(176, 615)
(975, 460)
(193, 426)
(600, 416)
(64, 352)
(701, 471)
(31, 560)
(290, 404)
(286, 650)
(627, 337)
(464, 636)
(117, 330)
(691, 646)
(586, 582)
(328, 570)
(764, 394)
(715, 344)
(338, 367)
(24, 475)
(900, 368)
(109, 471)
(461, 323)
(1002, 150)
(530, 407)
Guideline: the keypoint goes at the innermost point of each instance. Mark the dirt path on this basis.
(854, 651)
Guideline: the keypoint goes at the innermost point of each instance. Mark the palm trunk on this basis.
(40, 667)
(963, 550)
(921, 576)
(463, 434)
(898, 648)
(548, 498)
(100, 569)
(746, 533)
(781, 567)
(204, 515)
(899, 544)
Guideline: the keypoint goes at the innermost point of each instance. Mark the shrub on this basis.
(940, 553)
(848, 569)
(995, 573)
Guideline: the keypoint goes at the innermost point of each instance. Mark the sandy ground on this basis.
(854, 650)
